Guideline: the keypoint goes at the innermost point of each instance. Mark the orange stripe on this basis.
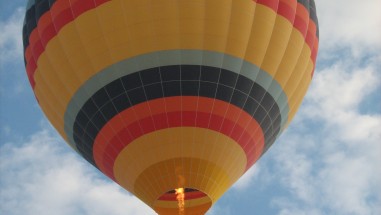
(60, 14)
(46, 28)
(273, 4)
(287, 9)
(117, 133)
(302, 19)
(188, 195)
(250, 145)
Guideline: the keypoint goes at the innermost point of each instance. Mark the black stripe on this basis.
(32, 15)
(184, 80)
(313, 16)
(311, 8)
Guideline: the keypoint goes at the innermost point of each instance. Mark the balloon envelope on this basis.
(169, 94)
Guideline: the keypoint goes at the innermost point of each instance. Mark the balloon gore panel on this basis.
(161, 95)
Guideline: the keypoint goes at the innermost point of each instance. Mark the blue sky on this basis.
(327, 162)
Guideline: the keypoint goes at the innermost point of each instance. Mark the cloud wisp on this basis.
(328, 160)
(10, 37)
(39, 176)
(349, 23)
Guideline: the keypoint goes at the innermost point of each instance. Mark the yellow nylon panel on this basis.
(73, 49)
(63, 69)
(261, 31)
(216, 26)
(166, 175)
(53, 117)
(92, 39)
(298, 96)
(241, 21)
(171, 143)
(191, 26)
(276, 50)
(199, 25)
(290, 57)
(294, 80)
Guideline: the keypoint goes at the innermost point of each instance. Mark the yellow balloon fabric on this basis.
(160, 95)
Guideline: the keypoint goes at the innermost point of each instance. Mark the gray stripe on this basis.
(30, 4)
(172, 57)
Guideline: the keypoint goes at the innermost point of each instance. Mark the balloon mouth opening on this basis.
(183, 201)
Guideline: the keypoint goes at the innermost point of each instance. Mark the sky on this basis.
(327, 161)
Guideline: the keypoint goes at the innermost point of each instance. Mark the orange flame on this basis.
(180, 196)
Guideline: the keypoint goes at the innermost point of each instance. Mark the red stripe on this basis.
(187, 196)
(36, 48)
(80, 6)
(299, 17)
(137, 121)
(273, 4)
(59, 15)
(131, 132)
(174, 104)
(286, 11)
(46, 28)
(30, 67)
(63, 12)
(302, 19)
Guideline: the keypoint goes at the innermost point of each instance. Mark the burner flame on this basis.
(180, 196)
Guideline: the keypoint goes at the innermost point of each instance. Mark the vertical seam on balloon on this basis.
(109, 51)
(242, 62)
(222, 62)
(289, 77)
(57, 29)
(296, 104)
(85, 53)
(292, 94)
(44, 80)
(251, 87)
(199, 78)
(145, 94)
(212, 107)
(141, 129)
(274, 10)
(280, 60)
(161, 79)
(302, 74)
(79, 36)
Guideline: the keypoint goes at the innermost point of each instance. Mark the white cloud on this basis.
(329, 158)
(40, 177)
(350, 60)
(327, 162)
(11, 37)
(349, 22)
(247, 179)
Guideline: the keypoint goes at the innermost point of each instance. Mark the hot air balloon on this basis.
(174, 100)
